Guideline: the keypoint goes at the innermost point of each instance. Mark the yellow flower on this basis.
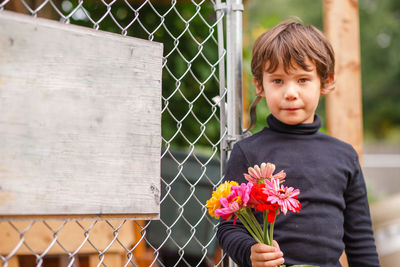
(223, 190)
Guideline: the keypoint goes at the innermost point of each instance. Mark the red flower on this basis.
(258, 195)
(273, 211)
(259, 201)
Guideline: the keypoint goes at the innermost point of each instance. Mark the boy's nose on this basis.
(291, 93)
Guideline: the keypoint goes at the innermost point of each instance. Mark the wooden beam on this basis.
(344, 106)
(110, 259)
(12, 262)
(143, 256)
(71, 236)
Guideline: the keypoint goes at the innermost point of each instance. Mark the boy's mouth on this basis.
(291, 109)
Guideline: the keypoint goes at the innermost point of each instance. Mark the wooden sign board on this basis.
(80, 121)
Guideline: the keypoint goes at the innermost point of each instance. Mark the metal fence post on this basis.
(234, 74)
(234, 68)
(222, 82)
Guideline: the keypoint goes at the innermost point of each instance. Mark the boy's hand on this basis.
(266, 256)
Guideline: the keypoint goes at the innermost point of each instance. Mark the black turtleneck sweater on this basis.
(335, 212)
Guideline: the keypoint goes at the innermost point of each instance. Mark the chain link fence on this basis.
(193, 130)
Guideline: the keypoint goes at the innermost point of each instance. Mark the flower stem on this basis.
(253, 224)
(256, 223)
(271, 232)
(266, 237)
(271, 229)
(249, 229)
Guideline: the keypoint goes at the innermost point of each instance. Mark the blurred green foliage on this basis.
(380, 51)
(380, 56)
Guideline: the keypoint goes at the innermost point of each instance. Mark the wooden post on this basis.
(344, 106)
(16, 6)
(143, 256)
(246, 89)
(12, 262)
(110, 259)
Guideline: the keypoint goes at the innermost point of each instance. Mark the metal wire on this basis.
(194, 130)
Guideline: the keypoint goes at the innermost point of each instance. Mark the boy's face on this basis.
(292, 97)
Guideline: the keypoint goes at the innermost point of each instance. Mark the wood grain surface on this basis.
(80, 120)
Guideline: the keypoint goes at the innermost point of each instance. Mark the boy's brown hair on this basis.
(292, 42)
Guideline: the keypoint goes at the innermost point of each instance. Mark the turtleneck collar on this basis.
(309, 128)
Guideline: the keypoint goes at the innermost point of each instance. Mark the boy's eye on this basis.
(302, 80)
(277, 81)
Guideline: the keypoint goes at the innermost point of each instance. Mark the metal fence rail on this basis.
(193, 137)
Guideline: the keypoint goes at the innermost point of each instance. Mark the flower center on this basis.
(238, 199)
(282, 193)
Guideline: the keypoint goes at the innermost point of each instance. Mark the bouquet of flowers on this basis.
(264, 192)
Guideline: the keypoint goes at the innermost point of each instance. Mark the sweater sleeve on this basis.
(234, 239)
(358, 235)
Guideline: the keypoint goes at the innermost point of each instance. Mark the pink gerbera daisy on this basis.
(258, 174)
(285, 197)
(236, 200)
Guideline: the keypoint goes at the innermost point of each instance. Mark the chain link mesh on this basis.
(191, 138)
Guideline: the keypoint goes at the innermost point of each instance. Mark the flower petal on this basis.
(257, 171)
(253, 173)
(270, 168)
(280, 175)
(271, 216)
(249, 178)
(263, 168)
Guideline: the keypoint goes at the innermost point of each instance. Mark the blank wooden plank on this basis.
(344, 104)
(80, 120)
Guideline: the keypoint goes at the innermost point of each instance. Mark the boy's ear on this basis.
(259, 88)
(329, 85)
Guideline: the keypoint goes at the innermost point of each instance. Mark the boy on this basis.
(292, 66)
